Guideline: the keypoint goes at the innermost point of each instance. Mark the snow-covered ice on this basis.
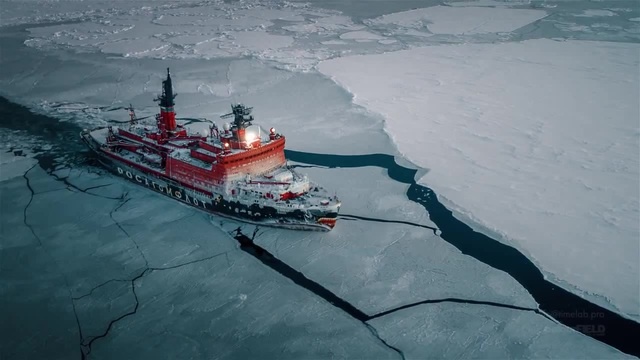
(324, 24)
(537, 141)
(201, 296)
(502, 161)
(497, 334)
(206, 30)
(260, 40)
(361, 36)
(334, 42)
(14, 12)
(595, 13)
(377, 266)
(14, 162)
(198, 294)
(489, 3)
(14, 166)
(461, 20)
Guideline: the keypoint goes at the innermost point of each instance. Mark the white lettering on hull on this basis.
(168, 190)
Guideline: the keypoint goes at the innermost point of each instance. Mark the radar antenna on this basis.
(241, 116)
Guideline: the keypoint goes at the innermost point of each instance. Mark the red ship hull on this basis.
(209, 202)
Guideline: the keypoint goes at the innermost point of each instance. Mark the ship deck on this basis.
(184, 155)
(249, 190)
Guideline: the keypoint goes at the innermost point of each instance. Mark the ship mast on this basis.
(242, 118)
(167, 117)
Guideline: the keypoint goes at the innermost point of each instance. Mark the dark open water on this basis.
(569, 309)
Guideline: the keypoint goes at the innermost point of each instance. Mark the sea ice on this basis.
(491, 151)
(361, 35)
(231, 308)
(260, 40)
(15, 12)
(13, 165)
(334, 42)
(135, 47)
(193, 39)
(535, 140)
(324, 25)
(414, 32)
(445, 329)
(378, 265)
(595, 13)
(461, 20)
(489, 3)
(206, 30)
(196, 293)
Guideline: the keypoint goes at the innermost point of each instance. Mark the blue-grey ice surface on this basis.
(148, 273)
